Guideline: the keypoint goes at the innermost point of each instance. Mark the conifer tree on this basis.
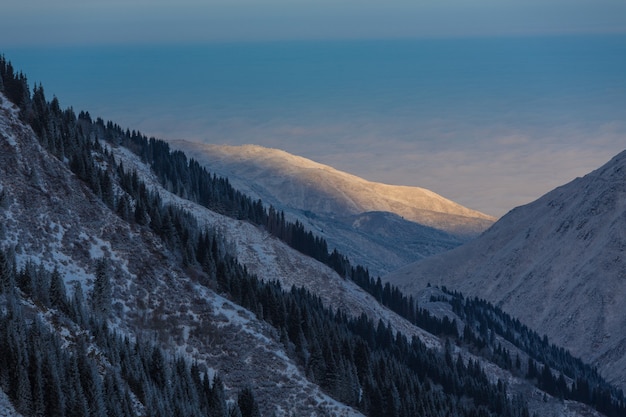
(247, 404)
(57, 294)
(7, 277)
(76, 306)
(217, 397)
(101, 295)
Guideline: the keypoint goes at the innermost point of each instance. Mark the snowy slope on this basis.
(342, 191)
(6, 408)
(52, 218)
(378, 225)
(47, 214)
(271, 259)
(558, 264)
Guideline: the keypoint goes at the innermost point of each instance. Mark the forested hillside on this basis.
(63, 352)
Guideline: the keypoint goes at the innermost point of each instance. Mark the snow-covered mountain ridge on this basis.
(49, 216)
(320, 188)
(558, 264)
(152, 296)
(377, 225)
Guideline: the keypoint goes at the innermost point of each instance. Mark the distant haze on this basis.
(489, 123)
(88, 22)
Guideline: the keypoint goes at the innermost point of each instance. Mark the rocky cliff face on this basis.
(558, 264)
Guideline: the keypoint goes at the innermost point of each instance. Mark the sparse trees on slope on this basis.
(44, 375)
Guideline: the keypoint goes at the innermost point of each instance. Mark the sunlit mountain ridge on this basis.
(297, 180)
(377, 225)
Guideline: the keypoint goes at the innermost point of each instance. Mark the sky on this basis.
(38, 22)
(491, 158)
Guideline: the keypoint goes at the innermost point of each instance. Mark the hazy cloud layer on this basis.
(491, 124)
(489, 168)
(38, 22)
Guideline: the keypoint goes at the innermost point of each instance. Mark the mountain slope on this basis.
(54, 219)
(69, 219)
(344, 208)
(558, 264)
(271, 259)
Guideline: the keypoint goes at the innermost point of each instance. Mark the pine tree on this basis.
(21, 380)
(54, 398)
(157, 368)
(25, 280)
(101, 295)
(141, 217)
(57, 294)
(106, 186)
(77, 402)
(247, 404)
(123, 207)
(217, 398)
(76, 306)
(7, 276)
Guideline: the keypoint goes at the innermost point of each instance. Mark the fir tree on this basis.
(58, 296)
(247, 404)
(7, 277)
(101, 295)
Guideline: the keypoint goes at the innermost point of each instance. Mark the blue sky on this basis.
(40, 22)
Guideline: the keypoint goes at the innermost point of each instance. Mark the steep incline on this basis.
(387, 226)
(558, 264)
(271, 259)
(52, 218)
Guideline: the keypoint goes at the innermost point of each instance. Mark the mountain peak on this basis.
(557, 264)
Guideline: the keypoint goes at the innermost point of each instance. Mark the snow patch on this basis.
(6, 129)
(6, 407)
